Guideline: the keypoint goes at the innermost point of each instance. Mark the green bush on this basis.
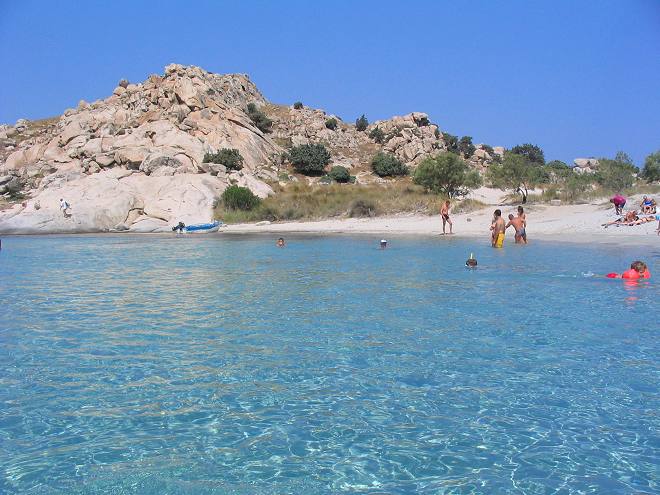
(230, 158)
(331, 123)
(239, 198)
(362, 208)
(386, 165)
(530, 151)
(617, 174)
(448, 174)
(259, 118)
(339, 174)
(377, 135)
(466, 147)
(451, 142)
(298, 105)
(309, 159)
(361, 123)
(651, 170)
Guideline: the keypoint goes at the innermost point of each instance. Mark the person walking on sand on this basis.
(519, 226)
(64, 206)
(444, 213)
(498, 229)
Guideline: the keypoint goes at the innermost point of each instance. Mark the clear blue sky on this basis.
(578, 78)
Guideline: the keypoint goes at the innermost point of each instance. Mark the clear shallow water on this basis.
(222, 364)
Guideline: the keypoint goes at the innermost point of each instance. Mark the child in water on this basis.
(638, 269)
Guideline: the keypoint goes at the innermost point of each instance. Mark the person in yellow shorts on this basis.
(497, 228)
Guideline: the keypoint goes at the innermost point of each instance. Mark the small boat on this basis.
(199, 228)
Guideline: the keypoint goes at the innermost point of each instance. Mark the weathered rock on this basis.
(213, 168)
(156, 161)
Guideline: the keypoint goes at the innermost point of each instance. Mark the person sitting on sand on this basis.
(519, 226)
(444, 212)
(648, 206)
(619, 202)
(498, 228)
(280, 242)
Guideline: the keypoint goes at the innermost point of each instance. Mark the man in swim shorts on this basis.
(498, 229)
(519, 225)
(444, 213)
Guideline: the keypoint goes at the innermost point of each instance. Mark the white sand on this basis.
(570, 223)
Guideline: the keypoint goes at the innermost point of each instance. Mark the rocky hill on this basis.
(135, 160)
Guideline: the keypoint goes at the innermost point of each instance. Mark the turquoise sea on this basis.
(223, 365)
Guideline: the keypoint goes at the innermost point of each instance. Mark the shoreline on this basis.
(577, 224)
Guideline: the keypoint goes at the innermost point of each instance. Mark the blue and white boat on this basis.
(199, 228)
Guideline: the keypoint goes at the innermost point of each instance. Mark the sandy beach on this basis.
(566, 223)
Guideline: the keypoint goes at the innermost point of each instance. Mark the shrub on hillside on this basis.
(617, 174)
(259, 118)
(446, 173)
(651, 171)
(339, 174)
(331, 123)
(451, 142)
(361, 123)
(362, 208)
(386, 165)
(309, 159)
(377, 135)
(466, 147)
(298, 105)
(239, 198)
(230, 158)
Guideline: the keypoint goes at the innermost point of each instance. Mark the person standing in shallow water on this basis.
(444, 213)
(498, 228)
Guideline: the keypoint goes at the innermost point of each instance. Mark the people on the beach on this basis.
(648, 205)
(280, 242)
(383, 243)
(444, 213)
(630, 219)
(65, 207)
(471, 261)
(518, 224)
(619, 202)
(638, 269)
(497, 228)
(179, 227)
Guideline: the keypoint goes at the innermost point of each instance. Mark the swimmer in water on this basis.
(383, 243)
(280, 242)
(471, 261)
(638, 269)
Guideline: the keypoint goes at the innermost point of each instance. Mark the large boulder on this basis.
(156, 161)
